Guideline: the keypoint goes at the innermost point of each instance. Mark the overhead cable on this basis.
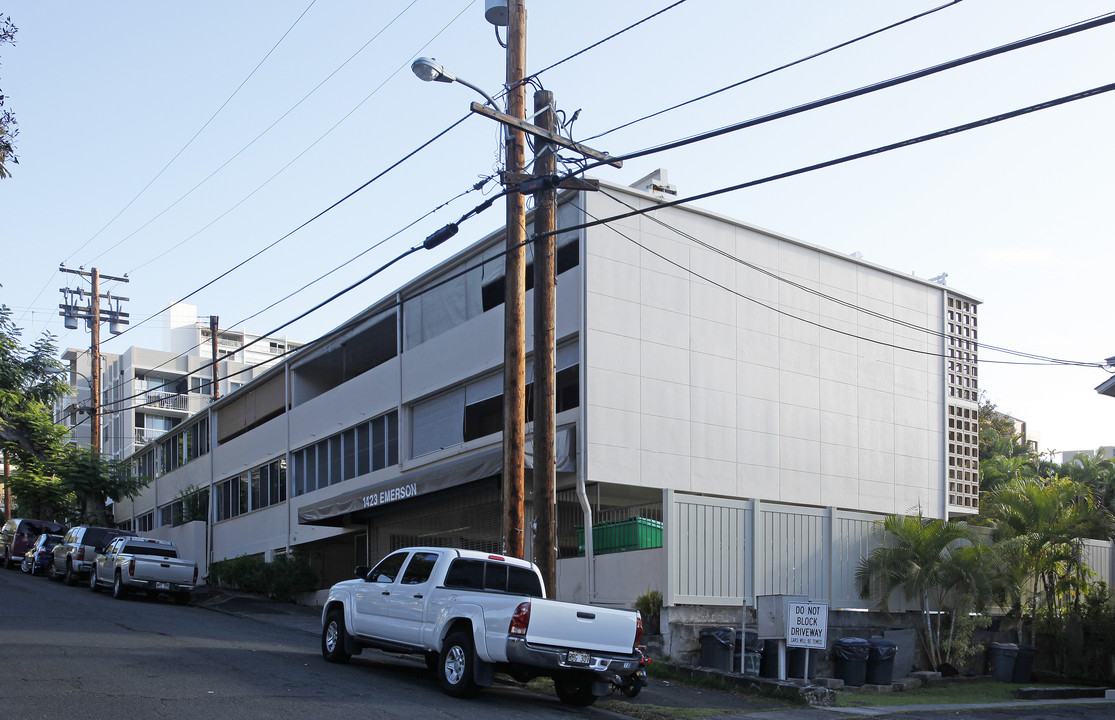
(866, 89)
(799, 61)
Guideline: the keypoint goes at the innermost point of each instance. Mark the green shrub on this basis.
(279, 579)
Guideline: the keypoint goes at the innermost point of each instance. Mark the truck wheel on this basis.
(574, 691)
(7, 558)
(93, 580)
(455, 666)
(118, 590)
(70, 577)
(182, 598)
(333, 638)
(52, 572)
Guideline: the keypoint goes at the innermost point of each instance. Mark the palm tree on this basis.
(1098, 473)
(1043, 522)
(916, 555)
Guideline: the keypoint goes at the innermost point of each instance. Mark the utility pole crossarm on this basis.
(543, 133)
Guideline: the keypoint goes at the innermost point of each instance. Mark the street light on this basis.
(430, 70)
(514, 336)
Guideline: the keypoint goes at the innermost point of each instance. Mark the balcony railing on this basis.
(148, 435)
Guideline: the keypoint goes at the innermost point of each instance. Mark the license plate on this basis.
(578, 657)
(162, 586)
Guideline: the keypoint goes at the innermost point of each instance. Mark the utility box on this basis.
(772, 611)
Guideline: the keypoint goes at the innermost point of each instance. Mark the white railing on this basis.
(148, 435)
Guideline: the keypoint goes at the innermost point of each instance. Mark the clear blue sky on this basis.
(1017, 214)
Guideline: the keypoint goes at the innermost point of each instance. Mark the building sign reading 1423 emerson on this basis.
(807, 624)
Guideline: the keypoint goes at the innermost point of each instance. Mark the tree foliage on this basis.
(28, 390)
(8, 129)
(923, 558)
(53, 479)
(95, 478)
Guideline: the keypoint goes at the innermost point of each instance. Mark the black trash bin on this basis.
(717, 646)
(799, 663)
(746, 656)
(880, 661)
(1023, 664)
(1000, 661)
(768, 659)
(850, 660)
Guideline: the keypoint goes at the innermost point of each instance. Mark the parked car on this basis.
(472, 614)
(18, 534)
(135, 563)
(39, 555)
(79, 548)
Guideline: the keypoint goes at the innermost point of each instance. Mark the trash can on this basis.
(850, 660)
(717, 646)
(768, 659)
(746, 656)
(1000, 661)
(1023, 664)
(880, 661)
(799, 663)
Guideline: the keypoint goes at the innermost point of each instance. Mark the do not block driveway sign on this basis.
(807, 625)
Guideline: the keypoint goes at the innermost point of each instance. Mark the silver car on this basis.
(75, 554)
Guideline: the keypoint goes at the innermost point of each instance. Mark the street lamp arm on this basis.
(466, 83)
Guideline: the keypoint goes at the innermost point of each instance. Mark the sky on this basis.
(171, 142)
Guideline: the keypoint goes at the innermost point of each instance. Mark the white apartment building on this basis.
(735, 409)
(145, 393)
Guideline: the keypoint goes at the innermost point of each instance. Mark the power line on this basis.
(479, 185)
(818, 54)
(254, 140)
(865, 90)
(1043, 360)
(303, 225)
(191, 140)
(855, 156)
(598, 43)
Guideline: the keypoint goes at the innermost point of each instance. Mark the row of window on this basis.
(173, 450)
(356, 451)
(253, 490)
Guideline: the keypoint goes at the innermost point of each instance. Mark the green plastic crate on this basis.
(636, 533)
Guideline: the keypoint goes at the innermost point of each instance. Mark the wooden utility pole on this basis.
(93, 313)
(95, 359)
(545, 276)
(214, 321)
(514, 308)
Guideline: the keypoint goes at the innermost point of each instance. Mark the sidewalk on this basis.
(661, 694)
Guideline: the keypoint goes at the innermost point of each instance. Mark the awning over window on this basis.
(424, 481)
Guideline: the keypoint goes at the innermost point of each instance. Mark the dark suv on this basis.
(17, 535)
(75, 554)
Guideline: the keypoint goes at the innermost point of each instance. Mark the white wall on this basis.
(696, 383)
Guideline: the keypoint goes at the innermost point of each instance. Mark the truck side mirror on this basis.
(361, 572)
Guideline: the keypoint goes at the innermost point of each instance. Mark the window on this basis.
(357, 451)
(419, 568)
(493, 293)
(145, 522)
(481, 574)
(388, 569)
(256, 489)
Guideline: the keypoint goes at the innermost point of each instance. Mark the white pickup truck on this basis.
(138, 563)
(472, 614)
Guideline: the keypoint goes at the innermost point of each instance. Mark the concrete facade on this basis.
(696, 355)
